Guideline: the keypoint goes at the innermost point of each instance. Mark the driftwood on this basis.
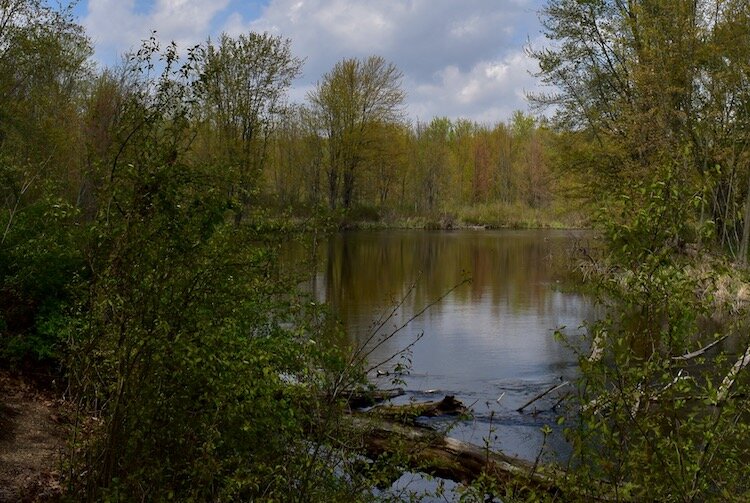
(391, 430)
(360, 399)
(543, 394)
(431, 452)
(408, 413)
(428, 451)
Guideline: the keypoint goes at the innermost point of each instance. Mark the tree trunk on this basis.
(431, 452)
(442, 456)
(745, 228)
(348, 194)
(333, 185)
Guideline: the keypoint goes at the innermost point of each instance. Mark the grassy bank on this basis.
(494, 215)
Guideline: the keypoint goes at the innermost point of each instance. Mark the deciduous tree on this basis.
(244, 81)
(656, 82)
(353, 97)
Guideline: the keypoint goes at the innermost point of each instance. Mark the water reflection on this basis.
(490, 338)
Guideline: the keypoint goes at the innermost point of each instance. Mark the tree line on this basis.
(140, 231)
(142, 214)
(138, 269)
(424, 168)
(643, 86)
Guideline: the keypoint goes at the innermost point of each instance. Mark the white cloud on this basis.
(357, 26)
(458, 58)
(116, 26)
(466, 27)
(487, 92)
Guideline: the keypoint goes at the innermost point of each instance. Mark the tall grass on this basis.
(519, 216)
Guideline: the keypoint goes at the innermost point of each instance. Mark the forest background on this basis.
(143, 207)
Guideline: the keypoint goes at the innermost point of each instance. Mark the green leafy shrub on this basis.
(39, 258)
(209, 376)
(655, 420)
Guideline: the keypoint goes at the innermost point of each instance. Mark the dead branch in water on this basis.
(543, 394)
(408, 413)
(365, 398)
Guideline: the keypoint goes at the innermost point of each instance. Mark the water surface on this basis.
(490, 342)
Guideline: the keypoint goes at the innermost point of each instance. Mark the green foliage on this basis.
(640, 87)
(209, 377)
(516, 216)
(652, 220)
(652, 423)
(641, 84)
(350, 103)
(364, 213)
(205, 382)
(42, 63)
(242, 81)
(38, 257)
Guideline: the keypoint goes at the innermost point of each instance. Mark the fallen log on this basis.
(436, 454)
(360, 399)
(428, 451)
(408, 413)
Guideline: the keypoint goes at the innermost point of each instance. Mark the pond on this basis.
(490, 341)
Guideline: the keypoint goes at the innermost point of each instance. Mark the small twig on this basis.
(565, 395)
(397, 354)
(407, 322)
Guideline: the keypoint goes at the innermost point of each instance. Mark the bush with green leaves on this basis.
(208, 376)
(212, 383)
(656, 417)
(39, 256)
(43, 63)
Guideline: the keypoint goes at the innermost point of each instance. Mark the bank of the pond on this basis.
(474, 218)
(447, 224)
(491, 216)
(722, 285)
(431, 224)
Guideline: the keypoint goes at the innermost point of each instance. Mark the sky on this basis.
(459, 58)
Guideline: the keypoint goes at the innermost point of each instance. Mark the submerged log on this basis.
(408, 413)
(431, 452)
(360, 399)
(391, 430)
(428, 451)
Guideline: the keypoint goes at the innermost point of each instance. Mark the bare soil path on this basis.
(32, 440)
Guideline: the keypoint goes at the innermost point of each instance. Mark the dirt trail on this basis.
(32, 439)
